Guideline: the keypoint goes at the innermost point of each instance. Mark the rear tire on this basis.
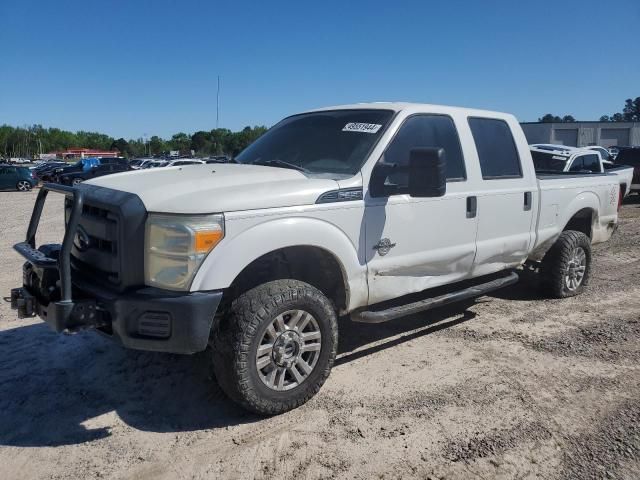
(275, 349)
(566, 267)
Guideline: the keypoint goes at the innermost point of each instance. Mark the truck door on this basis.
(412, 244)
(507, 196)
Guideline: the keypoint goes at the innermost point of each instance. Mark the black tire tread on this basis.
(232, 338)
(555, 262)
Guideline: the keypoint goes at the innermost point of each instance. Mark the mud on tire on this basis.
(238, 335)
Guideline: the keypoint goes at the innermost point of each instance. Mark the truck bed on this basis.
(595, 193)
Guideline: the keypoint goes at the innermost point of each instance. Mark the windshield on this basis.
(335, 142)
(545, 162)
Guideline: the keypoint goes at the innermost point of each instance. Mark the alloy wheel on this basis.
(24, 186)
(576, 268)
(289, 350)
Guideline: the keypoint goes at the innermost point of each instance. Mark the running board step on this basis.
(379, 316)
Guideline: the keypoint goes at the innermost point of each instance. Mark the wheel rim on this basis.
(76, 181)
(576, 269)
(289, 350)
(24, 186)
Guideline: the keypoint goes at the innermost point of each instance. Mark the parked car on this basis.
(184, 161)
(613, 151)
(46, 171)
(138, 163)
(16, 178)
(573, 160)
(84, 164)
(631, 156)
(157, 164)
(77, 177)
(341, 211)
(218, 159)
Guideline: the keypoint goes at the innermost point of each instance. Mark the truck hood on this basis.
(217, 187)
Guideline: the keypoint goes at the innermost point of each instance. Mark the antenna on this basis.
(218, 104)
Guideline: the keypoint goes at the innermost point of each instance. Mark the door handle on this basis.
(472, 207)
(527, 201)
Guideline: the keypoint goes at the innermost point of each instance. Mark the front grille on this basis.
(103, 245)
(108, 246)
(97, 254)
(95, 211)
(88, 270)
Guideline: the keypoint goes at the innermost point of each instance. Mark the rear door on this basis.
(507, 196)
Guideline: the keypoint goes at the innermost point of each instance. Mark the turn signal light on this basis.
(205, 240)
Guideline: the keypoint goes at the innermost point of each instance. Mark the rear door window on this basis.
(496, 148)
(577, 165)
(591, 163)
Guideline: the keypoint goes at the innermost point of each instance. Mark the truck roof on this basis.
(416, 107)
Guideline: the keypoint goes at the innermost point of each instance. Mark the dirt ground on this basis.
(509, 386)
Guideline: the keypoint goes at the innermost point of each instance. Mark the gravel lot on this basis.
(509, 386)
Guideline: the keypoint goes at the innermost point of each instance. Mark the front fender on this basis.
(243, 244)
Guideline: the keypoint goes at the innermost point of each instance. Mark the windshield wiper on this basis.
(281, 163)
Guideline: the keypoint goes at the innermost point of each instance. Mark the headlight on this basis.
(176, 245)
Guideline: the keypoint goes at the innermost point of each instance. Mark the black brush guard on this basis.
(63, 314)
(139, 317)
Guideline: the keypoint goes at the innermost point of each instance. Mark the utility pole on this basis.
(218, 104)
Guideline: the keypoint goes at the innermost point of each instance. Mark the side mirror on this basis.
(427, 172)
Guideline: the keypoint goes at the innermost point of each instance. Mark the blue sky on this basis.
(127, 68)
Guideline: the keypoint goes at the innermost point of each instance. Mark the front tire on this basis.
(275, 349)
(567, 265)
(23, 186)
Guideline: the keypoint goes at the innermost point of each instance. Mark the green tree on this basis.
(180, 141)
(631, 110)
(157, 145)
(122, 146)
(201, 142)
(550, 118)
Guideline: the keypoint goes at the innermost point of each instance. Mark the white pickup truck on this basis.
(339, 211)
(549, 158)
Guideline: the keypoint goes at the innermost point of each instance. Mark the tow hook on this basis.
(23, 302)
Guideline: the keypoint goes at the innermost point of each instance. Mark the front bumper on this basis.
(144, 319)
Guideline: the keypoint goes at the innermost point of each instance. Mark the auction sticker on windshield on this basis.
(361, 127)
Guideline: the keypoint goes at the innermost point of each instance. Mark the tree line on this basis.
(29, 141)
(630, 113)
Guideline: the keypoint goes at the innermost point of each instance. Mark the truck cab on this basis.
(351, 210)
